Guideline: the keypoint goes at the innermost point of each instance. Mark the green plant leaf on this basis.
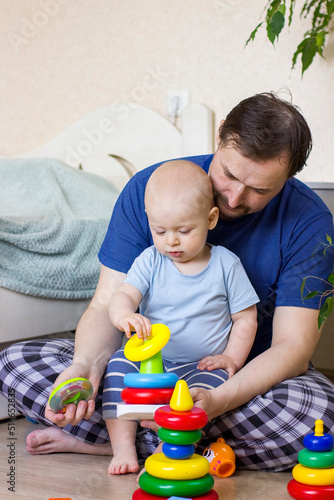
(308, 6)
(276, 24)
(292, 6)
(253, 33)
(294, 58)
(273, 7)
(308, 53)
(311, 295)
(281, 8)
(329, 239)
(302, 286)
(331, 278)
(299, 50)
(320, 41)
(330, 8)
(319, 19)
(275, 19)
(270, 34)
(325, 310)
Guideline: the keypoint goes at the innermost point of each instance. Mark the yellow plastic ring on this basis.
(137, 350)
(314, 477)
(159, 465)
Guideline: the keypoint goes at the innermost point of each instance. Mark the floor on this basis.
(80, 477)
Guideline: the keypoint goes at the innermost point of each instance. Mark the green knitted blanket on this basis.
(53, 219)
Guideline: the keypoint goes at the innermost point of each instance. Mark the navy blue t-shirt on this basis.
(278, 246)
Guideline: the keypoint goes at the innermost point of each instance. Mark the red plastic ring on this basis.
(196, 418)
(301, 491)
(140, 494)
(131, 395)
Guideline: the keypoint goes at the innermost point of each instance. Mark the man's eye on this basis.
(229, 175)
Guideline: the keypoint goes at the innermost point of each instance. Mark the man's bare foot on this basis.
(140, 473)
(124, 460)
(54, 440)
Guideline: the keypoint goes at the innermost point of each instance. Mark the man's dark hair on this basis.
(264, 127)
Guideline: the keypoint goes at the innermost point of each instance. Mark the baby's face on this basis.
(179, 230)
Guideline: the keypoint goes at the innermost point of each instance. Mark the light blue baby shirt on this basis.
(196, 308)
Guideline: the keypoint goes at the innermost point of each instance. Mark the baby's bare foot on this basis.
(124, 460)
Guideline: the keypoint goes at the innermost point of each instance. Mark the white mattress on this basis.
(36, 316)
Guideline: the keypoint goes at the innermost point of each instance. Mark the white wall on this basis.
(61, 59)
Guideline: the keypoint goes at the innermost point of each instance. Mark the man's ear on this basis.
(217, 133)
(213, 217)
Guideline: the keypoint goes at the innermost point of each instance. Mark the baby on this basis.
(201, 292)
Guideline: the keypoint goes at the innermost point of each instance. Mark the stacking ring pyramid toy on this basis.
(177, 471)
(313, 477)
(151, 387)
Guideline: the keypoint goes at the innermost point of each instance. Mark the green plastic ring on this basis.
(316, 459)
(168, 487)
(179, 437)
(70, 391)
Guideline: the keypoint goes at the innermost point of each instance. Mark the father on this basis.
(277, 226)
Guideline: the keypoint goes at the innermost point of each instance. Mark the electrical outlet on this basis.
(177, 100)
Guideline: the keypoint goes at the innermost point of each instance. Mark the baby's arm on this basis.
(122, 312)
(242, 335)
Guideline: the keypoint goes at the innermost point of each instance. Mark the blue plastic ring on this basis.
(178, 451)
(150, 380)
(318, 443)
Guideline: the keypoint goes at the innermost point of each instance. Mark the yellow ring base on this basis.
(314, 477)
(159, 465)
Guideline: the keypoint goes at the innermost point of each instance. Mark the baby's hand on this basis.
(135, 322)
(220, 361)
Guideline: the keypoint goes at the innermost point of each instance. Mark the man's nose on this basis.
(236, 195)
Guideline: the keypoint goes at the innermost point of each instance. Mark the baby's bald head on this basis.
(180, 182)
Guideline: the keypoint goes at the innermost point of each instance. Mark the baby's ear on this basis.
(213, 217)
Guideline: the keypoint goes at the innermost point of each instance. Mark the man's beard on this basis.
(221, 202)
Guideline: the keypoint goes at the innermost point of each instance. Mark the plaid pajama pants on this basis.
(266, 433)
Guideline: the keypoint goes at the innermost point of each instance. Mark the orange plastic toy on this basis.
(221, 458)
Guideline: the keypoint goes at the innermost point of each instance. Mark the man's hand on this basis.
(73, 413)
(150, 424)
(206, 399)
(135, 322)
(220, 361)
